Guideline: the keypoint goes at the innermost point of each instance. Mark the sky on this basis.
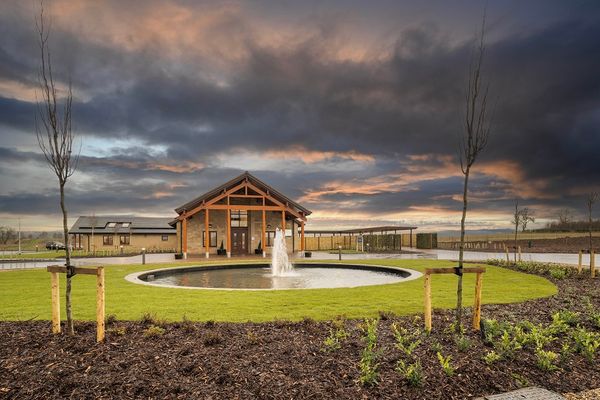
(353, 108)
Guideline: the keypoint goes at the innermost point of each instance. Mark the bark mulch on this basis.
(279, 360)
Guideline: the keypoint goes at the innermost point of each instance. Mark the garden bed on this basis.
(151, 359)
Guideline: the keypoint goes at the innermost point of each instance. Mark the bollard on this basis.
(580, 262)
(121, 249)
(36, 248)
(507, 256)
(340, 253)
(143, 256)
(519, 253)
(592, 264)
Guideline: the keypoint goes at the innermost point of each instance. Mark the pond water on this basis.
(304, 276)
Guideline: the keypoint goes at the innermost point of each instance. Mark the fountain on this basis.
(280, 263)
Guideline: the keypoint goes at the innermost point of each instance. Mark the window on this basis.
(126, 224)
(270, 238)
(107, 240)
(111, 224)
(239, 219)
(124, 239)
(213, 238)
(165, 238)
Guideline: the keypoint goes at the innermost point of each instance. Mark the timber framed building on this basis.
(239, 218)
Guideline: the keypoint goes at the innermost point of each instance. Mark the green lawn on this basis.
(26, 295)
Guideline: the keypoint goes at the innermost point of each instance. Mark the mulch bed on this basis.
(276, 360)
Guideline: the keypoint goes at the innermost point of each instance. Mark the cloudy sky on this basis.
(353, 108)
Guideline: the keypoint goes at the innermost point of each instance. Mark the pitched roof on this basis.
(99, 223)
(254, 180)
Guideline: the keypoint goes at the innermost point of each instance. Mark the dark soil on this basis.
(278, 360)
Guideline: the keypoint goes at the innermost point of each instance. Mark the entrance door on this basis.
(239, 241)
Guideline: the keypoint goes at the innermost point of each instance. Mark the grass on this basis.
(25, 294)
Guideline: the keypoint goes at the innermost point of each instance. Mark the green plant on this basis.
(154, 331)
(405, 341)
(412, 372)
(545, 360)
(212, 339)
(436, 346)
(368, 362)
(252, 337)
(558, 273)
(337, 335)
(119, 330)
(520, 380)
(462, 343)
(455, 328)
(111, 319)
(507, 346)
(491, 329)
(446, 363)
(570, 318)
(491, 357)
(586, 343)
(565, 351)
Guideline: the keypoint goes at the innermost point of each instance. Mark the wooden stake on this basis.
(100, 308)
(519, 253)
(55, 302)
(427, 302)
(592, 264)
(477, 305)
(579, 265)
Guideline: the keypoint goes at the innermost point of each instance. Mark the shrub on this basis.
(545, 360)
(111, 319)
(413, 372)
(568, 317)
(586, 343)
(252, 337)
(405, 341)
(148, 319)
(436, 346)
(558, 273)
(462, 343)
(154, 331)
(446, 363)
(491, 357)
(212, 339)
(368, 362)
(337, 335)
(119, 331)
(507, 346)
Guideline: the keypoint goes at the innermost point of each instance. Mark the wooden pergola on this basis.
(246, 187)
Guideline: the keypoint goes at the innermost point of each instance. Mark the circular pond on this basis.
(259, 277)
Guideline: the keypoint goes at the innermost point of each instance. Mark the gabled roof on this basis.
(99, 223)
(235, 181)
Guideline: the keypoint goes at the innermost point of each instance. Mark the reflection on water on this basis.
(261, 278)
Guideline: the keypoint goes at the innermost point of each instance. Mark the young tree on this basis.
(526, 218)
(473, 141)
(55, 138)
(592, 198)
(6, 234)
(517, 223)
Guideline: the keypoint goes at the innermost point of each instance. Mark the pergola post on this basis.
(264, 231)
(184, 237)
(302, 238)
(283, 223)
(206, 234)
(228, 231)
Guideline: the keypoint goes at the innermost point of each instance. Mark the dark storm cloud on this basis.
(404, 98)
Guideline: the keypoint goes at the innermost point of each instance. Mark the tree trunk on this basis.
(461, 254)
(70, 274)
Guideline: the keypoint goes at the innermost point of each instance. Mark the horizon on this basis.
(352, 110)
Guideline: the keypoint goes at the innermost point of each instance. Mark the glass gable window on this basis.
(239, 219)
(125, 224)
(111, 224)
